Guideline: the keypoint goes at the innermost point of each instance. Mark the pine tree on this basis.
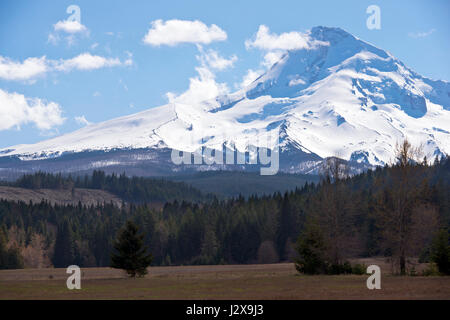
(311, 248)
(131, 254)
(440, 252)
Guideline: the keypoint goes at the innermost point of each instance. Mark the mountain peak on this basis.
(330, 34)
(297, 69)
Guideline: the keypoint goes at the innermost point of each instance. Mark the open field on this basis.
(62, 196)
(272, 281)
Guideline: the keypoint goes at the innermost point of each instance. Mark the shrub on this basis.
(359, 269)
(339, 268)
(431, 270)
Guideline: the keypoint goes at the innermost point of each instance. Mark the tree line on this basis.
(395, 211)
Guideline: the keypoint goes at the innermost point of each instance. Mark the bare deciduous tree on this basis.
(35, 254)
(400, 213)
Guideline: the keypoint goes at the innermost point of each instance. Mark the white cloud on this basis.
(212, 59)
(70, 26)
(421, 34)
(201, 88)
(81, 120)
(271, 57)
(53, 38)
(204, 86)
(275, 45)
(285, 41)
(129, 60)
(26, 70)
(173, 32)
(17, 110)
(296, 81)
(33, 67)
(249, 77)
(87, 61)
(96, 94)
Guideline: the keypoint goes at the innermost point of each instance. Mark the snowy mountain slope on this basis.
(342, 97)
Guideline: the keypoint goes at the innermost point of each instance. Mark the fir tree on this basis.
(311, 248)
(131, 254)
(440, 252)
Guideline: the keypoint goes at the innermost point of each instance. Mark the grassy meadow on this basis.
(262, 281)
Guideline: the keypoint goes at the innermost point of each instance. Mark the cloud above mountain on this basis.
(174, 32)
(28, 69)
(204, 86)
(82, 121)
(87, 61)
(285, 41)
(34, 67)
(214, 60)
(17, 110)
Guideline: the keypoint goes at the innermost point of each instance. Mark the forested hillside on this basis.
(222, 184)
(392, 211)
(130, 189)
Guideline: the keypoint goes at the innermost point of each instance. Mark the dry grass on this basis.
(272, 281)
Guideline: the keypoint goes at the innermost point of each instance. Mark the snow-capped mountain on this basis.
(339, 97)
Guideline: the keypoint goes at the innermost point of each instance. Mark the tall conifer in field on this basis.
(131, 253)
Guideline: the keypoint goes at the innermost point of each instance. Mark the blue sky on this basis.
(62, 76)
